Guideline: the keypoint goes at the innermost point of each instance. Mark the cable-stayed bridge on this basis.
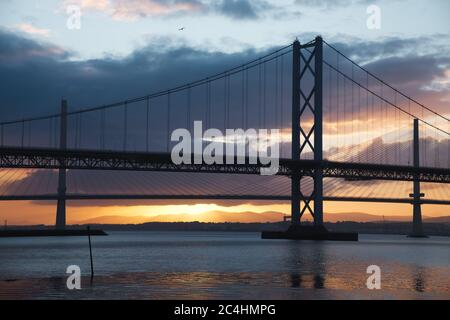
(345, 135)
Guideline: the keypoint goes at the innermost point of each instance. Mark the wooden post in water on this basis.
(90, 252)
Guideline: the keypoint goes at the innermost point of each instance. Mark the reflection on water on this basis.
(298, 259)
(209, 265)
(419, 282)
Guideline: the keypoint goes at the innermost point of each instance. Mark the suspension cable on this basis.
(246, 66)
(383, 82)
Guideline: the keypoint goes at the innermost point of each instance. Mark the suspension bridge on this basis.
(346, 135)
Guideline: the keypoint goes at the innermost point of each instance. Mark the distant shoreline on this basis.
(402, 228)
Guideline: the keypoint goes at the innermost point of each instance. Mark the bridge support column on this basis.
(318, 137)
(416, 195)
(302, 137)
(305, 138)
(61, 205)
(295, 179)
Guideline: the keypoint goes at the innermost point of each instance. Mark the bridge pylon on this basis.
(61, 205)
(307, 138)
(307, 101)
(417, 230)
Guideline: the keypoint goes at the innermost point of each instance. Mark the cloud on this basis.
(46, 73)
(416, 66)
(131, 10)
(30, 29)
(16, 50)
(93, 4)
(135, 9)
(242, 9)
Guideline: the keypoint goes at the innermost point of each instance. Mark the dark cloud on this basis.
(410, 71)
(33, 85)
(365, 50)
(411, 65)
(36, 75)
(242, 9)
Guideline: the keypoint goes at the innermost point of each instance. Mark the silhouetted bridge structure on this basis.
(343, 122)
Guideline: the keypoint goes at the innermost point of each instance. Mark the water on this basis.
(224, 265)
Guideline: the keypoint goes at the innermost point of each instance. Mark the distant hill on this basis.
(404, 228)
(445, 219)
(216, 216)
(248, 217)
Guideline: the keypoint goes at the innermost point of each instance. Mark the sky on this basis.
(128, 48)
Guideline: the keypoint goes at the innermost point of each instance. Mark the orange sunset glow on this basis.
(123, 213)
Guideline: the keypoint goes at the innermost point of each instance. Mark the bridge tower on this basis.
(307, 99)
(416, 195)
(61, 206)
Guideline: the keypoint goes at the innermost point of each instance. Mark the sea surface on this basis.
(223, 265)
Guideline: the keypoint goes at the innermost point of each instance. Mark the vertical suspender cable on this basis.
(410, 152)
(103, 119)
(29, 134)
(50, 134)
(358, 124)
(276, 93)
(259, 96)
(224, 103)
(383, 123)
(345, 109)
(147, 124)
(264, 95)
(125, 126)
(353, 106)
(168, 121)
(55, 133)
(372, 121)
(396, 119)
(367, 119)
(79, 131)
(243, 99)
(101, 129)
(337, 100)
(188, 117)
(75, 142)
(208, 106)
(23, 133)
(246, 99)
(228, 101)
(329, 104)
(281, 103)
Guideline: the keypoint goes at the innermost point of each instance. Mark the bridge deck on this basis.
(70, 196)
(42, 158)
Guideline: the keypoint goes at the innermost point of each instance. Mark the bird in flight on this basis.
(181, 29)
